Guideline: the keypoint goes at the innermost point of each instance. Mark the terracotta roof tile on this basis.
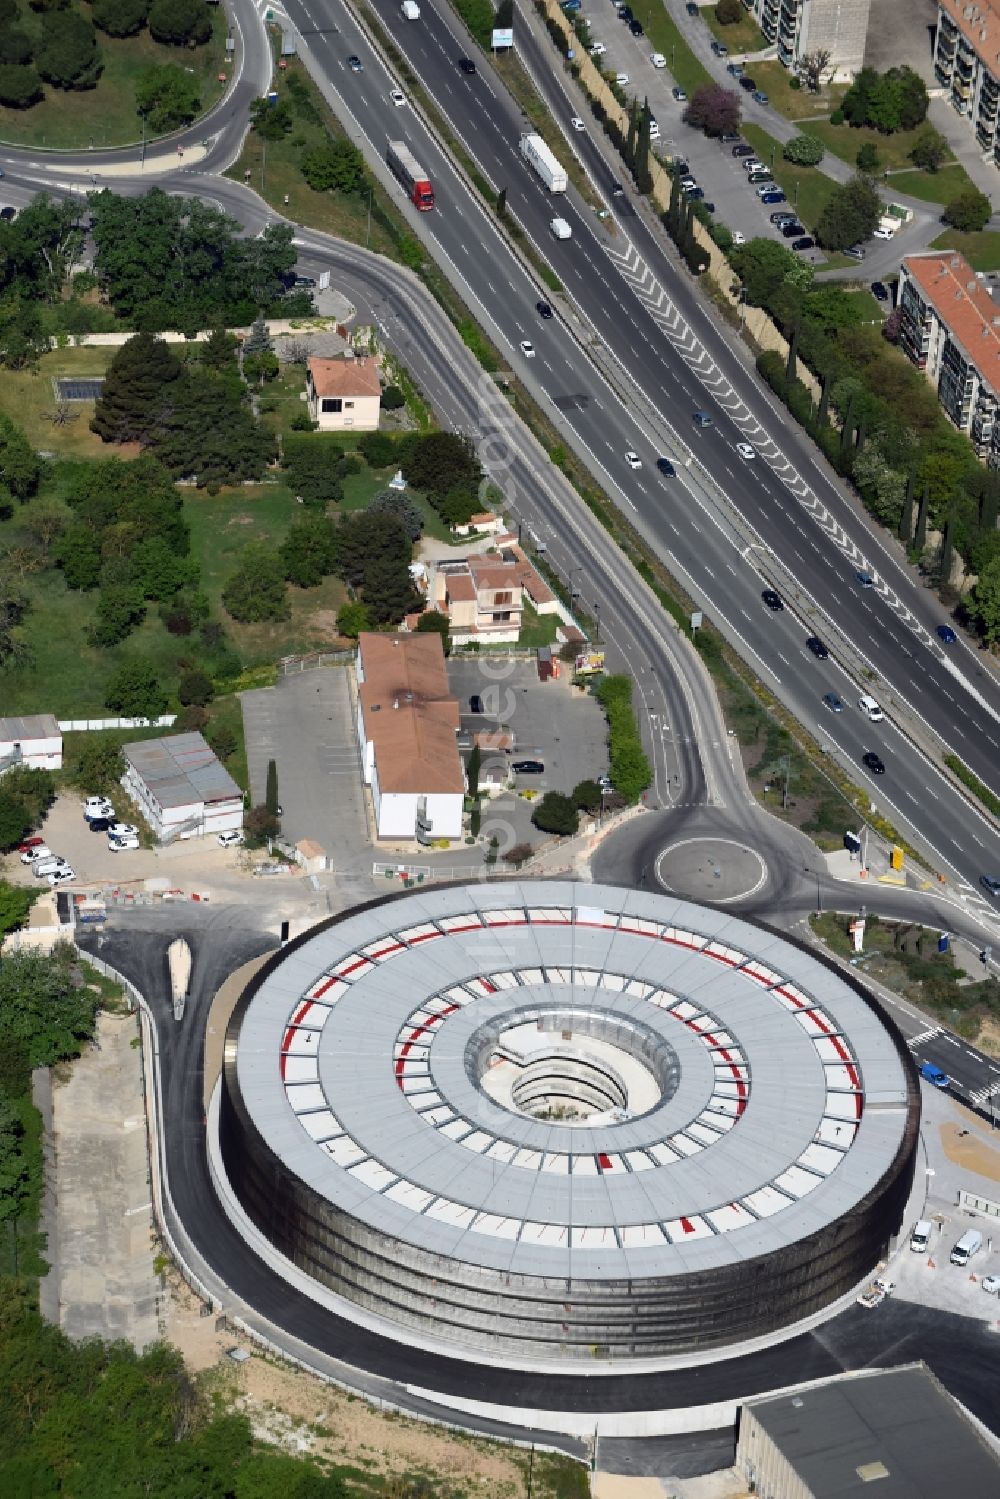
(980, 23)
(409, 714)
(965, 307)
(345, 377)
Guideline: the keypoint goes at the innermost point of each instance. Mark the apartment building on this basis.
(967, 64)
(951, 331)
(796, 27)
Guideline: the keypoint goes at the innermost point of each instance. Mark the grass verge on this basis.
(981, 250)
(743, 35)
(989, 798)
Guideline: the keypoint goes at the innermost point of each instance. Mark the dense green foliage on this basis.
(67, 54)
(180, 22)
(15, 903)
(256, 591)
(631, 772)
(850, 215)
(166, 97)
(444, 465)
(804, 150)
(968, 778)
(373, 556)
(969, 212)
(896, 100)
(120, 17)
(556, 813)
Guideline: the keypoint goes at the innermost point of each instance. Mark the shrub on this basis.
(392, 398)
(728, 12)
(555, 813)
(196, 689)
(377, 448)
(804, 150)
(837, 118)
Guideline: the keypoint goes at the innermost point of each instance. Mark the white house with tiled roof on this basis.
(343, 394)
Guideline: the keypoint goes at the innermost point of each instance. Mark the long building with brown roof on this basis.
(951, 330)
(407, 729)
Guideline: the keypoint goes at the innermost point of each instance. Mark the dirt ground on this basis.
(302, 1414)
(972, 1146)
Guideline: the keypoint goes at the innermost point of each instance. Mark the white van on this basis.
(921, 1236)
(561, 229)
(969, 1244)
(410, 10)
(870, 708)
(48, 866)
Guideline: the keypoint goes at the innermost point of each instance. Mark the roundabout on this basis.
(720, 870)
(557, 1124)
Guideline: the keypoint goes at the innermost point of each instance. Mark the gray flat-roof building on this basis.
(181, 788)
(34, 741)
(896, 1434)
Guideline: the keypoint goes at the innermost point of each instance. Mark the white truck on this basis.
(541, 161)
(411, 10)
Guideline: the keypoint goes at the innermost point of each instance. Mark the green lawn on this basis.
(742, 36)
(28, 398)
(537, 629)
(981, 250)
(105, 115)
(941, 186)
(795, 103)
(361, 489)
(807, 189)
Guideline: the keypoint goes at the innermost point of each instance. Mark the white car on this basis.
(97, 806)
(739, 238)
(991, 1284)
(597, 49)
(127, 841)
(658, 60)
(398, 97)
(870, 708)
(36, 854)
(61, 876)
(633, 460)
(746, 450)
(527, 348)
(622, 80)
(577, 124)
(229, 840)
(123, 830)
(875, 1294)
(654, 131)
(883, 234)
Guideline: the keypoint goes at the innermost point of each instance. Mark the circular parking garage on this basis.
(566, 1122)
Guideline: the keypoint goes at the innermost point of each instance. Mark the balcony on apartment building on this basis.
(987, 108)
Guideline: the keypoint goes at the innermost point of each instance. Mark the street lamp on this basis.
(597, 624)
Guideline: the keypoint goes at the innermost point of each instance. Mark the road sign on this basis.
(696, 619)
(324, 280)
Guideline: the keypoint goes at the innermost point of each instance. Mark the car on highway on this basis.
(876, 1293)
(543, 309)
(793, 230)
(679, 95)
(658, 60)
(880, 291)
(720, 49)
(946, 635)
(817, 647)
(806, 242)
(870, 708)
(617, 190)
(746, 450)
(760, 97)
(991, 1284)
(527, 348)
(576, 123)
(398, 97)
(934, 1075)
(665, 466)
(231, 839)
(873, 762)
(772, 598)
(467, 66)
(834, 702)
(633, 460)
(701, 419)
(528, 767)
(990, 884)
(864, 580)
(355, 64)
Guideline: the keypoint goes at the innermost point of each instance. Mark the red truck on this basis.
(411, 174)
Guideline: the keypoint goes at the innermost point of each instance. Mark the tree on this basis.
(119, 609)
(271, 790)
(44, 1006)
(555, 813)
(15, 1177)
(15, 819)
(906, 516)
(867, 159)
(929, 149)
(433, 622)
(20, 465)
(728, 12)
(67, 53)
(912, 96)
(308, 553)
(135, 385)
(15, 45)
(197, 688)
(120, 17)
(389, 590)
(587, 796)
(851, 214)
(334, 166)
(135, 691)
(472, 768)
(45, 522)
(179, 22)
(892, 328)
(392, 399)
(969, 212)
(352, 619)
(20, 86)
(377, 448)
(643, 179)
(920, 534)
(812, 66)
(804, 150)
(260, 367)
(312, 474)
(439, 461)
(98, 765)
(207, 432)
(763, 265)
(896, 100)
(714, 109)
(221, 740)
(256, 591)
(259, 826)
(15, 903)
(403, 507)
(166, 95)
(218, 352)
(984, 601)
(258, 340)
(947, 556)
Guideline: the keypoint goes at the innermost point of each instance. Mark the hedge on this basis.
(631, 771)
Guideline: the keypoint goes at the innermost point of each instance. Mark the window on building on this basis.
(348, 405)
(331, 403)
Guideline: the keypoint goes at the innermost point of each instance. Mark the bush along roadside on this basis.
(631, 771)
(983, 793)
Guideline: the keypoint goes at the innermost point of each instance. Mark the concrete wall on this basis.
(36, 754)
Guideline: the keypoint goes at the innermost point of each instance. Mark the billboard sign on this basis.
(502, 38)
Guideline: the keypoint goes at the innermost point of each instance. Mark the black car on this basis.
(528, 767)
(543, 309)
(834, 702)
(467, 65)
(617, 191)
(728, 138)
(694, 192)
(701, 419)
(990, 884)
(665, 466)
(680, 167)
(304, 283)
(8, 213)
(475, 703)
(873, 763)
(880, 291)
(720, 49)
(805, 243)
(635, 27)
(354, 63)
(743, 149)
(99, 824)
(793, 231)
(625, 14)
(817, 647)
(748, 83)
(773, 600)
(692, 10)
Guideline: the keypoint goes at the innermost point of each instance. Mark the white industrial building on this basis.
(35, 742)
(407, 731)
(181, 788)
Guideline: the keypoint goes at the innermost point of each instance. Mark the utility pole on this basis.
(368, 234)
(142, 159)
(263, 163)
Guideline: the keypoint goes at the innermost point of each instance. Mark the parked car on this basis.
(734, 69)
(230, 840)
(793, 230)
(880, 291)
(635, 27)
(881, 233)
(759, 96)
(856, 252)
(720, 49)
(748, 83)
(782, 218)
(876, 1293)
(692, 10)
(679, 95)
(35, 841)
(123, 830)
(64, 876)
(805, 243)
(97, 806)
(694, 192)
(120, 845)
(658, 60)
(775, 195)
(743, 150)
(35, 853)
(528, 767)
(100, 824)
(739, 238)
(990, 1284)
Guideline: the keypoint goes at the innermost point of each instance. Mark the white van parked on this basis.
(969, 1244)
(921, 1236)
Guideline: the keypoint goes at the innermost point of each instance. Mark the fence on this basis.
(93, 725)
(291, 665)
